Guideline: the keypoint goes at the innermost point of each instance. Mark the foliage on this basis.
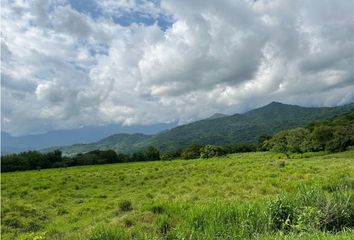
(210, 151)
(191, 152)
(240, 148)
(151, 154)
(282, 214)
(35, 160)
(334, 135)
(170, 155)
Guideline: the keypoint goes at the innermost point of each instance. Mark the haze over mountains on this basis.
(12, 144)
(218, 129)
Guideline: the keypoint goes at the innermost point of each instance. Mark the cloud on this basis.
(64, 67)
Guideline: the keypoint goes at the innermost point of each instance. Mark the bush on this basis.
(338, 213)
(308, 219)
(125, 206)
(282, 214)
(158, 209)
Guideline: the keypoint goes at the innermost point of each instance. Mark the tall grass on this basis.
(311, 210)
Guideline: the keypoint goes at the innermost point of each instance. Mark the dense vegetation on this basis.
(333, 135)
(238, 128)
(34, 160)
(240, 196)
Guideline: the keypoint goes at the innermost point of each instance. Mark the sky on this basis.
(72, 63)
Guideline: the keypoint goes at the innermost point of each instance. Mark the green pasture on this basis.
(241, 196)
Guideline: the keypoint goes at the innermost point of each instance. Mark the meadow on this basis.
(259, 195)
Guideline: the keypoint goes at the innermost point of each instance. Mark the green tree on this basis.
(320, 137)
(261, 146)
(210, 151)
(298, 140)
(343, 137)
(152, 154)
(191, 152)
(279, 143)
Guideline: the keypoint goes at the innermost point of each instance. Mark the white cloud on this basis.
(61, 68)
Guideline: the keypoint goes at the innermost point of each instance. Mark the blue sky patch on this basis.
(88, 7)
(92, 9)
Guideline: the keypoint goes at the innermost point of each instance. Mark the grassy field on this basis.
(240, 196)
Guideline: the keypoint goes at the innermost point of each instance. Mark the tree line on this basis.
(34, 160)
(334, 135)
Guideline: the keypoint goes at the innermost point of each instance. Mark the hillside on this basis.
(117, 142)
(89, 134)
(238, 128)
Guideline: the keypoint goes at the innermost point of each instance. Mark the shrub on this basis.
(308, 219)
(282, 214)
(128, 222)
(281, 164)
(125, 206)
(338, 213)
(158, 209)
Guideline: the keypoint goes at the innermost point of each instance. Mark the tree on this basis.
(152, 154)
(36, 160)
(210, 151)
(279, 143)
(51, 158)
(191, 152)
(170, 155)
(298, 140)
(261, 146)
(109, 156)
(137, 157)
(320, 137)
(343, 137)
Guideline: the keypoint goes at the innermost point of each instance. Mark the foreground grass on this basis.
(223, 198)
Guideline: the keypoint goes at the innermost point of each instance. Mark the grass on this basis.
(240, 196)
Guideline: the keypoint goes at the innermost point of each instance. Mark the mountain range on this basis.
(11, 144)
(219, 129)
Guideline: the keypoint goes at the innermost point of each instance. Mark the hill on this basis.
(117, 142)
(217, 115)
(11, 144)
(237, 128)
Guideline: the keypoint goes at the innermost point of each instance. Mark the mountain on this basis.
(10, 144)
(217, 115)
(237, 128)
(117, 141)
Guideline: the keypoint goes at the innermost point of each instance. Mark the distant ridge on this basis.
(10, 144)
(217, 115)
(219, 129)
